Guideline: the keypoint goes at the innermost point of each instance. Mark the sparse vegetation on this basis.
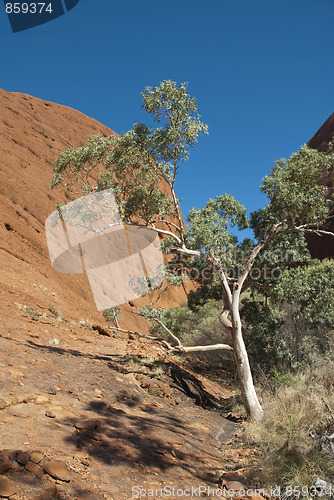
(149, 365)
(33, 314)
(295, 435)
(112, 315)
(53, 310)
(60, 317)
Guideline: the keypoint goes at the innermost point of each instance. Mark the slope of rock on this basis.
(33, 132)
(323, 136)
(323, 247)
(85, 416)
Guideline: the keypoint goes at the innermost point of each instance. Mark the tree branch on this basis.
(156, 339)
(186, 251)
(180, 347)
(168, 223)
(160, 231)
(249, 264)
(177, 340)
(319, 232)
(198, 348)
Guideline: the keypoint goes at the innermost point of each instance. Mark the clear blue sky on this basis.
(262, 73)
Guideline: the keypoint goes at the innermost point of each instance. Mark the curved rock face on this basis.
(322, 247)
(33, 132)
(323, 136)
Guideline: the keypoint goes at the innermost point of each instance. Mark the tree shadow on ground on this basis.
(178, 377)
(151, 439)
(73, 352)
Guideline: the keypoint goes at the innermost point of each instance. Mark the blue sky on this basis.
(262, 73)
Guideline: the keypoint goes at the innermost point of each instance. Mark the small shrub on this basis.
(200, 327)
(112, 315)
(60, 317)
(149, 365)
(53, 310)
(33, 314)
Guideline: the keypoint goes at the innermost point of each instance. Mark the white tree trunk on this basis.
(249, 396)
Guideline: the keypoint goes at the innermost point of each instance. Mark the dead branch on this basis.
(198, 348)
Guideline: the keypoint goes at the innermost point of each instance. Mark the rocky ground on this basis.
(86, 415)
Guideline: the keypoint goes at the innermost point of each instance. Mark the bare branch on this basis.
(179, 215)
(177, 340)
(198, 348)
(319, 232)
(160, 231)
(186, 251)
(249, 264)
(168, 223)
(226, 286)
(156, 339)
(180, 347)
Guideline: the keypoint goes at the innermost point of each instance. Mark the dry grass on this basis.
(292, 433)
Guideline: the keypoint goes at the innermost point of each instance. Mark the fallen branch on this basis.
(131, 332)
(212, 347)
(182, 348)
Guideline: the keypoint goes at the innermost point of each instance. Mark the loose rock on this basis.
(51, 390)
(5, 463)
(88, 425)
(22, 457)
(235, 485)
(58, 470)
(36, 457)
(42, 400)
(35, 469)
(7, 487)
(231, 476)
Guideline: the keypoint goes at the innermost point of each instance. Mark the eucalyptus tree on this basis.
(141, 167)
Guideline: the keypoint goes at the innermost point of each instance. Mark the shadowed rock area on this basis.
(322, 247)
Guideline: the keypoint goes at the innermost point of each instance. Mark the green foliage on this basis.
(134, 164)
(152, 313)
(296, 193)
(172, 106)
(291, 322)
(312, 287)
(208, 290)
(121, 164)
(33, 314)
(209, 228)
(265, 342)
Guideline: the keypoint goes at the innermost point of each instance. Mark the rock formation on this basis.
(33, 132)
(322, 247)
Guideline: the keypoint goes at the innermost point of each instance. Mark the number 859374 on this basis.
(28, 8)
